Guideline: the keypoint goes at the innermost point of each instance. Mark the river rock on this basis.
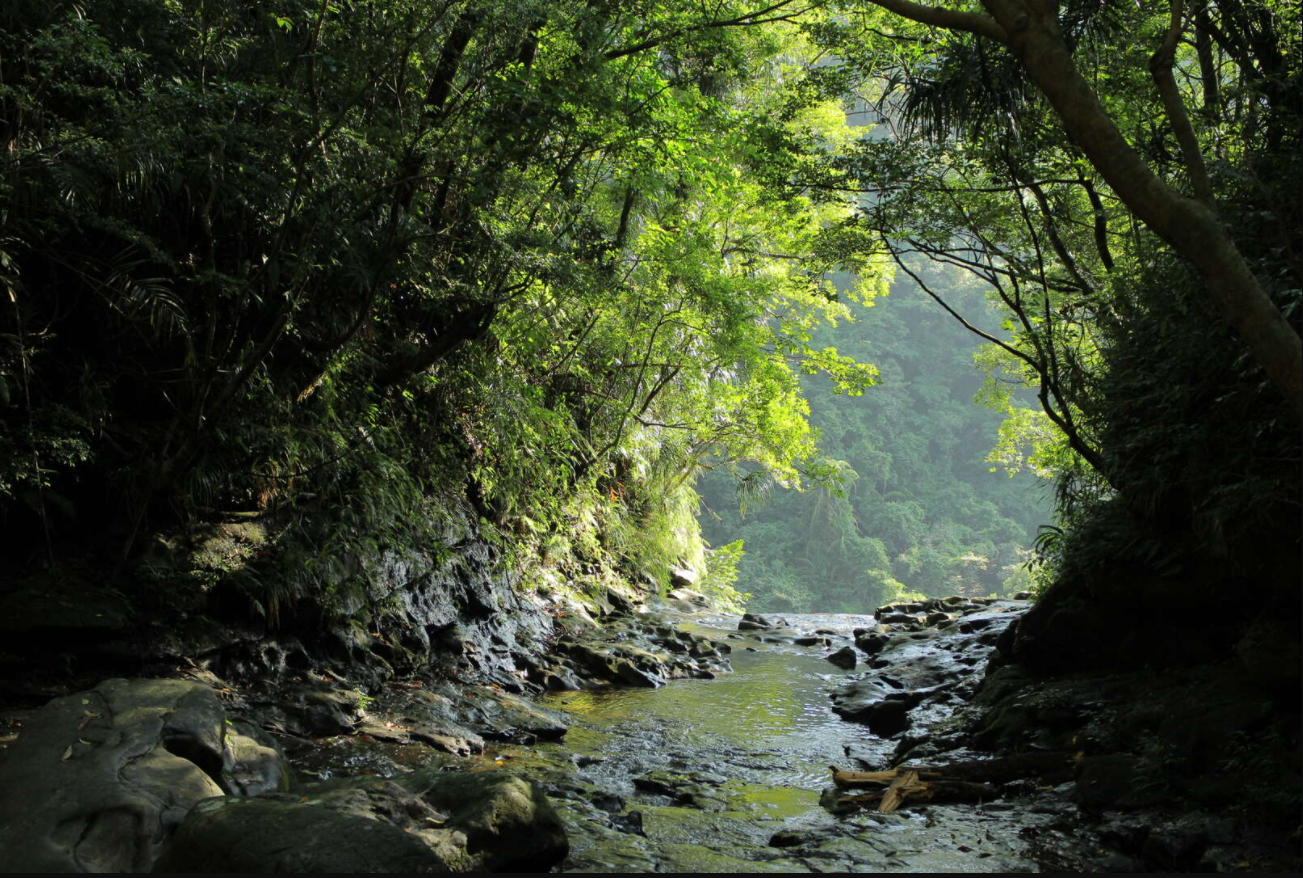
(255, 764)
(429, 821)
(469, 713)
(872, 644)
(844, 658)
(786, 838)
(755, 622)
(689, 596)
(97, 781)
(906, 607)
(316, 710)
(642, 652)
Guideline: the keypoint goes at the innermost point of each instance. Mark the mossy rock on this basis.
(428, 821)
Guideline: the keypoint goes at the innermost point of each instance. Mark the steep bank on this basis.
(434, 657)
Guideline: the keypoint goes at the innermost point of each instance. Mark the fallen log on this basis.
(906, 782)
(877, 780)
(957, 782)
(1049, 766)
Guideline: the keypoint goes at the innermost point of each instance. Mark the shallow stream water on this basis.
(700, 775)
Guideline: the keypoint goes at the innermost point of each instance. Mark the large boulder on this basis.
(429, 821)
(843, 658)
(97, 781)
(876, 704)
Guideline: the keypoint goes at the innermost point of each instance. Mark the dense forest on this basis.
(389, 386)
(925, 503)
(338, 267)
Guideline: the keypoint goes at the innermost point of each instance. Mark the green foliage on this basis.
(1169, 450)
(345, 264)
(720, 578)
(905, 504)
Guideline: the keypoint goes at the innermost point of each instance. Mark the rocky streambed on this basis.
(669, 739)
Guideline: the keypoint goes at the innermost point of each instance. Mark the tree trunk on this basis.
(1191, 228)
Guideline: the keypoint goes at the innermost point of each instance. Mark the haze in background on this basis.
(920, 509)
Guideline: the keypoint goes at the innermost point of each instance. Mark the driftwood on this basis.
(1048, 766)
(955, 782)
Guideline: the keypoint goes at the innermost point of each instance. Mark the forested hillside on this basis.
(340, 267)
(369, 370)
(924, 501)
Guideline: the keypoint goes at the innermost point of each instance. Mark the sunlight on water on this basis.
(775, 703)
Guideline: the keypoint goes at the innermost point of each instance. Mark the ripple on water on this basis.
(756, 744)
(775, 703)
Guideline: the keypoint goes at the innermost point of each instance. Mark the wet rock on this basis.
(626, 672)
(98, 780)
(665, 783)
(559, 679)
(1119, 781)
(812, 640)
(643, 653)
(316, 710)
(458, 719)
(605, 801)
(689, 596)
(630, 823)
(691, 789)
(429, 821)
(754, 622)
(267, 835)
(786, 838)
(904, 607)
(872, 643)
(844, 658)
(437, 732)
(886, 718)
(256, 764)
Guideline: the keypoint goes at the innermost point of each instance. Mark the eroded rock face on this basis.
(925, 657)
(99, 779)
(427, 821)
(641, 652)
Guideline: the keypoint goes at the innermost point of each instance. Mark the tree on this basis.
(328, 262)
(1173, 447)
(1033, 33)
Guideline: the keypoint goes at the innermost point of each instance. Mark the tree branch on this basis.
(950, 19)
(1160, 67)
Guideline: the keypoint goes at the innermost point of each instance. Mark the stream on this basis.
(725, 775)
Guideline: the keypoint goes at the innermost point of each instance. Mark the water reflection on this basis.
(773, 706)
